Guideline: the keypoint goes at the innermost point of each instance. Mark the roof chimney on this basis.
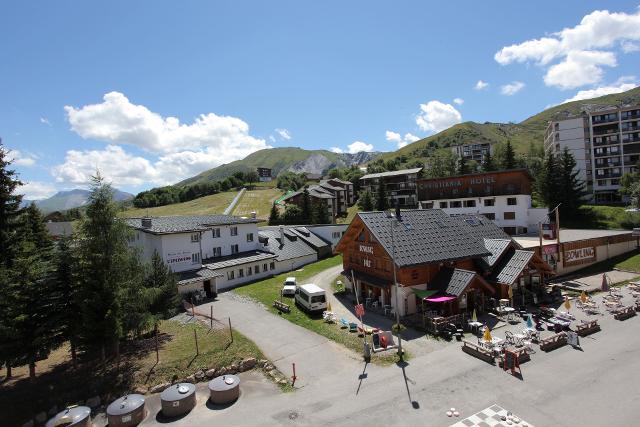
(282, 234)
(398, 216)
(147, 222)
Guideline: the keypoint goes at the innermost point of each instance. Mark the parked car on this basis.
(289, 287)
(311, 298)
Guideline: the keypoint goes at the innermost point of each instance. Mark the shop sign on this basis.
(366, 249)
(550, 249)
(178, 257)
(580, 254)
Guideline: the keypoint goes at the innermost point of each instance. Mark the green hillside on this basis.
(521, 135)
(277, 159)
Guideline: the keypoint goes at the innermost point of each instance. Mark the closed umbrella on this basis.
(567, 303)
(474, 317)
(487, 334)
(511, 295)
(605, 283)
(529, 321)
(583, 297)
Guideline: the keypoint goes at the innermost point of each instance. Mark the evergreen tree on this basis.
(320, 213)
(365, 203)
(135, 300)
(488, 164)
(548, 185)
(306, 206)
(382, 203)
(509, 159)
(463, 166)
(292, 215)
(165, 298)
(274, 215)
(572, 190)
(251, 177)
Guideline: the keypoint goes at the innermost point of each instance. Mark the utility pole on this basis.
(392, 222)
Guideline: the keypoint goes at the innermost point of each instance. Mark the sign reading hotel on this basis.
(178, 257)
(480, 180)
(582, 254)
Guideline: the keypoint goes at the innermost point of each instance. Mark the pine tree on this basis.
(306, 206)
(571, 189)
(382, 203)
(320, 214)
(509, 160)
(9, 216)
(165, 299)
(365, 202)
(488, 164)
(463, 167)
(274, 215)
(548, 184)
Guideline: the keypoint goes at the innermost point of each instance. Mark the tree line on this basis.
(310, 212)
(90, 289)
(171, 194)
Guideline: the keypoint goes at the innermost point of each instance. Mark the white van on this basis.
(311, 298)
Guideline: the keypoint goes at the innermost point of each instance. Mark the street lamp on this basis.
(396, 219)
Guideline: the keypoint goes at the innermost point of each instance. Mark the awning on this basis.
(423, 294)
(439, 299)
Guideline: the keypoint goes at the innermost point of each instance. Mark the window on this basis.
(231, 275)
(490, 215)
(256, 269)
(317, 299)
(489, 202)
(195, 237)
(241, 272)
(414, 274)
(509, 215)
(234, 249)
(249, 237)
(264, 267)
(444, 205)
(600, 172)
(234, 231)
(336, 234)
(217, 252)
(195, 258)
(272, 266)
(512, 201)
(249, 271)
(469, 203)
(456, 204)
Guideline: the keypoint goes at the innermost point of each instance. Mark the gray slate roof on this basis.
(497, 247)
(237, 259)
(391, 173)
(510, 266)
(182, 224)
(452, 281)
(196, 276)
(434, 236)
(481, 227)
(292, 247)
(340, 181)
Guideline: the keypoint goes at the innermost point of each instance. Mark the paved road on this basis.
(566, 387)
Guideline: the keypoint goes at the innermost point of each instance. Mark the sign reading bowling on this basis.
(575, 255)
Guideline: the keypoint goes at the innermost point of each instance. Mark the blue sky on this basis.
(151, 92)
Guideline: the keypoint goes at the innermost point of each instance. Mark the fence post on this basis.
(211, 318)
(195, 335)
(293, 378)
(230, 330)
(157, 352)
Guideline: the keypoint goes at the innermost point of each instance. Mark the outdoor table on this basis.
(562, 322)
(475, 326)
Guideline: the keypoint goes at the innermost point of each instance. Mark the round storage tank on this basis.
(178, 399)
(73, 416)
(224, 389)
(126, 411)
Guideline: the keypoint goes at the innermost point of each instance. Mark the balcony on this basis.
(636, 138)
(607, 131)
(605, 154)
(609, 118)
(631, 115)
(630, 128)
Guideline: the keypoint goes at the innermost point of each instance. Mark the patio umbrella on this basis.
(605, 283)
(529, 321)
(510, 295)
(583, 297)
(487, 334)
(474, 317)
(567, 303)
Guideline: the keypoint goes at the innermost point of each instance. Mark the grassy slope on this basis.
(214, 204)
(259, 201)
(277, 159)
(603, 217)
(521, 134)
(266, 291)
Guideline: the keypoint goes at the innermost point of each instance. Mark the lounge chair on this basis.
(353, 327)
(344, 323)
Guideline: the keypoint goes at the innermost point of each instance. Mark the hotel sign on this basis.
(366, 249)
(178, 257)
(480, 180)
(581, 254)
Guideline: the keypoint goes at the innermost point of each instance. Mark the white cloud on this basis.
(20, 158)
(579, 68)
(481, 85)
(399, 139)
(337, 150)
(583, 49)
(358, 146)
(458, 101)
(36, 190)
(601, 91)
(436, 116)
(118, 121)
(45, 121)
(511, 88)
(284, 134)
(272, 138)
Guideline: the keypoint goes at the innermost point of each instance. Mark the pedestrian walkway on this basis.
(234, 202)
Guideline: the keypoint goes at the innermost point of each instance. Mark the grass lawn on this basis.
(631, 262)
(603, 217)
(266, 291)
(58, 383)
(351, 213)
(214, 204)
(259, 201)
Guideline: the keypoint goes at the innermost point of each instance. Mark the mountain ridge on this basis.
(69, 199)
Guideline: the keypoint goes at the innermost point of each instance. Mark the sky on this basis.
(152, 92)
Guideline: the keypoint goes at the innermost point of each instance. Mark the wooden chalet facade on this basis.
(441, 260)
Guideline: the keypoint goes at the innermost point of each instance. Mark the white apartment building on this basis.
(605, 143)
(215, 252)
(475, 151)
